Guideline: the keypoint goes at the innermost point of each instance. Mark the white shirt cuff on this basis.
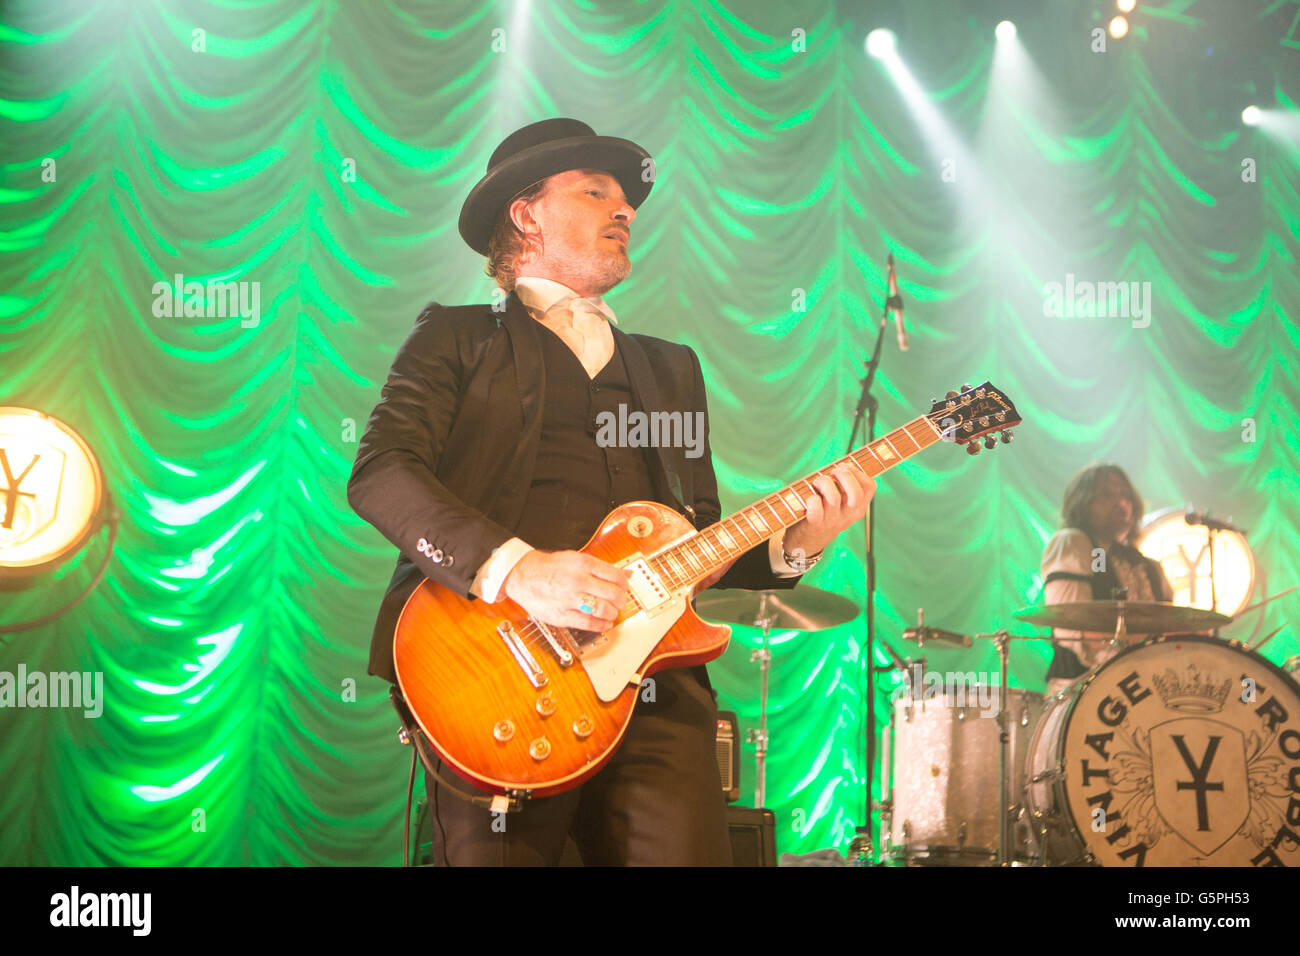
(775, 547)
(492, 575)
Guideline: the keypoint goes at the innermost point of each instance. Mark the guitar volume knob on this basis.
(503, 730)
(582, 727)
(539, 749)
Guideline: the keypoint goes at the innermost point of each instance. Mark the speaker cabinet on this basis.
(753, 836)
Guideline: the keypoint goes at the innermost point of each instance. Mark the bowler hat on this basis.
(539, 150)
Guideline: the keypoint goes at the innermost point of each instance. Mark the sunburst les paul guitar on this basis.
(519, 707)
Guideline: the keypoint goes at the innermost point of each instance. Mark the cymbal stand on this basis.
(912, 669)
(758, 735)
(1002, 640)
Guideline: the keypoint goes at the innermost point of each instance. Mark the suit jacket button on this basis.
(450, 561)
(436, 556)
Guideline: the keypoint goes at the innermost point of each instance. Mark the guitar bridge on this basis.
(523, 657)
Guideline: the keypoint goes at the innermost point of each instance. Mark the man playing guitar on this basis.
(480, 463)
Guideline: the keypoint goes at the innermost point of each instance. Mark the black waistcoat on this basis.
(576, 482)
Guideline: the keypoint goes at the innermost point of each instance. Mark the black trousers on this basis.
(658, 802)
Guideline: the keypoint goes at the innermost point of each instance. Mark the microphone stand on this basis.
(868, 405)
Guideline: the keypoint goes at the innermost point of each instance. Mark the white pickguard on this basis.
(617, 661)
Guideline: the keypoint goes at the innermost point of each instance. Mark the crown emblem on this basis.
(1193, 693)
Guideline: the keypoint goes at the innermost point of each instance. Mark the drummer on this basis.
(1092, 556)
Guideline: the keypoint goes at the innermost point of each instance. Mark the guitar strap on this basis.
(412, 734)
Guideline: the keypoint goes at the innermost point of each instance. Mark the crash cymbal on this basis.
(802, 609)
(1140, 617)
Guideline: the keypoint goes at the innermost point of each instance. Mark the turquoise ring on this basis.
(586, 606)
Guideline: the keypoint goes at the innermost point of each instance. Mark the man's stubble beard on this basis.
(601, 273)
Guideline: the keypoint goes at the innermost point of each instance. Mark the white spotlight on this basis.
(1250, 116)
(1126, 6)
(880, 43)
(1006, 30)
(1118, 27)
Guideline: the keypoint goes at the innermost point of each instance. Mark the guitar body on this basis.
(477, 702)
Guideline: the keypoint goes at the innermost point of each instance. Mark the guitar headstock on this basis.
(975, 413)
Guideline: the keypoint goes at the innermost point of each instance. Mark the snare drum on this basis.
(1180, 751)
(945, 775)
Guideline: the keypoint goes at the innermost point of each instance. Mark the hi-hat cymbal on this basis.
(1140, 617)
(803, 608)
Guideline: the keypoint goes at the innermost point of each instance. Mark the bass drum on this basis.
(1180, 751)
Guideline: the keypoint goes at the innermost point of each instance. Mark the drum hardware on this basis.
(1267, 600)
(921, 635)
(807, 609)
(1276, 631)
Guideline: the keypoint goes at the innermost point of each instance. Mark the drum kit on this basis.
(1179, 749)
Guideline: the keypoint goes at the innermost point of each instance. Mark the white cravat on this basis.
(583, 327)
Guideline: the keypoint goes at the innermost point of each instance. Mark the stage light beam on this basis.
(1250, 116)
(1126, 6)
(1118, 27)
(1006, 30)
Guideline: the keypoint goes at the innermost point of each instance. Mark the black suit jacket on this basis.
(448, 454)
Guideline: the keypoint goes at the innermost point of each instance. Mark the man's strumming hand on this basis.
(550, 586)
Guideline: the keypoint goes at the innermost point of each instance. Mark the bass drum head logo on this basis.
(1186, 752)
(51, 489)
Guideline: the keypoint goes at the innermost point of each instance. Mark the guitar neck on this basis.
(703, 553)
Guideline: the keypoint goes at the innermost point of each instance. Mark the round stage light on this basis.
(880, 43)
(1118, 27)
(1250, 116)
(1005, 30)
(54, 492)
(1183, 551)
(1126, 6)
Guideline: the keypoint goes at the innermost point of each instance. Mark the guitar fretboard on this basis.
(706, 551)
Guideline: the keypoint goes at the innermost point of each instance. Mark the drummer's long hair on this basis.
(1081, 491)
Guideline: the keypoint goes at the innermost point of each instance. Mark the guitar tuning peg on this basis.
(965, 388)
(973, 448)
(1006, 436)
(950, 395)
(990, 442)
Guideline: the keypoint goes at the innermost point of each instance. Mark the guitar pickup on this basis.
(646, 587)
(523, 657)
